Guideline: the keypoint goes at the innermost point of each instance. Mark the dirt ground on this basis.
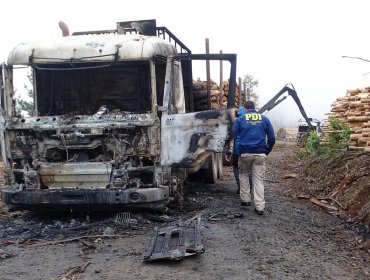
(294, 239)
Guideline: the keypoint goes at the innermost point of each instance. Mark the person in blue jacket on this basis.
(235, 153)
(256, 140)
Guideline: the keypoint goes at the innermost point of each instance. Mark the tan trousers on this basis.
(252, 164)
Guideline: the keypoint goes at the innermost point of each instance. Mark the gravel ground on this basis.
(294, 239)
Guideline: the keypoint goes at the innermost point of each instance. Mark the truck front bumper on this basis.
(85, 199)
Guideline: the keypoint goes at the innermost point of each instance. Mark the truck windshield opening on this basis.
(122, 87)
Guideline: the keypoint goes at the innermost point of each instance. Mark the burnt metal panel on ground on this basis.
(176, 242)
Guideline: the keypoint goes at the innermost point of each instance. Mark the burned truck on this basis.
(113, 122)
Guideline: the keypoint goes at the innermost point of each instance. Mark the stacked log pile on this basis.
(354, 109)
(218, 97)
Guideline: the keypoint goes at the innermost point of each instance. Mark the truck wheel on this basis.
(220, 164)
(210, 174)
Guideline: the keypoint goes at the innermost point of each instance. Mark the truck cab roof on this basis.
(90, 48)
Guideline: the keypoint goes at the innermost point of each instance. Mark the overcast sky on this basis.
(276, 41)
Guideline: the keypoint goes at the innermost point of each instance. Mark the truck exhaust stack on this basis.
(63, 26)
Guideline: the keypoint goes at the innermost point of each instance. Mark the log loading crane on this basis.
(289, 90)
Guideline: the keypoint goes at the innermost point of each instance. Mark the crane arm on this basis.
(278, 98)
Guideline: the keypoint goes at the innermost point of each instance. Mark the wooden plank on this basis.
(323, 204)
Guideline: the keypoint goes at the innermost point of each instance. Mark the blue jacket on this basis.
(240, 112)
(252, 129)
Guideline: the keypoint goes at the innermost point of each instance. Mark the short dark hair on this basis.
(249, 104)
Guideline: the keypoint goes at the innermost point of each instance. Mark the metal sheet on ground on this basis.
(177, 241)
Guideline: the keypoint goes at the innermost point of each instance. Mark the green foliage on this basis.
(337, 139)
(312, 143)
(312, 146)
(302, 154)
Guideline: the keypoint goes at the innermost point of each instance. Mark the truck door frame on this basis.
(5, 108)
(187, 139)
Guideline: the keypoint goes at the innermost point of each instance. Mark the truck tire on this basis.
(210, 174)
(220, 164)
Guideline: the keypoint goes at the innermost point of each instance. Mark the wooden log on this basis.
(215, 106)
(215, 87)
(362, 142)
(341, 185)
(356, 113)
(358, 118)
(355, 148)
(339, 110)
(323, 204)
(353, 91)
(215, 92)
(364, 138)
(355, 104)
(354, 136)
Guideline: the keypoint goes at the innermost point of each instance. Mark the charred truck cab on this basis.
(112, 124)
